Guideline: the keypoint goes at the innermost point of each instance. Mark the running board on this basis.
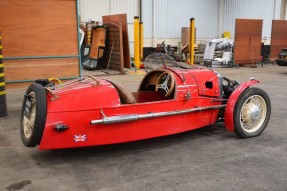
(136, 117)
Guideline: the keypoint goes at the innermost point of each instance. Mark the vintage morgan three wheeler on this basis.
(89, 111)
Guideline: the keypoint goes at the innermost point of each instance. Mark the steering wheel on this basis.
(165, 82)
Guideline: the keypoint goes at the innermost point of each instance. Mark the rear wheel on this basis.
(252, 112)
(33, 115)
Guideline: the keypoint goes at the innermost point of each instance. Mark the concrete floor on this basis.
(205, 159)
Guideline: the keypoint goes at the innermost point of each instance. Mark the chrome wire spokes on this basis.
(29, 121)
(253, 113)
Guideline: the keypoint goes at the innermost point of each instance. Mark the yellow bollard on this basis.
(141, 40)
(191, 42)
(137, 42)
(3, 102)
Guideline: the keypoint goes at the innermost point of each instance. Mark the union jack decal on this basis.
(80, 138)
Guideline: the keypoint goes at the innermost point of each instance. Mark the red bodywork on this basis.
(76, 105)
(229, 121)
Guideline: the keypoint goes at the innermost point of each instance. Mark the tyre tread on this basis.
(40, 118)
(239, 131)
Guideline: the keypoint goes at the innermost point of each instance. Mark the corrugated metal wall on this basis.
(255, 9)
(163, 19)
(171, 15)
(147, 18)
(95, 9)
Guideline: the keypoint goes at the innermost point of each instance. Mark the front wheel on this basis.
(251, 113)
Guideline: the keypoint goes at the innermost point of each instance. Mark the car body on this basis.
(282, 58)
(89, 111)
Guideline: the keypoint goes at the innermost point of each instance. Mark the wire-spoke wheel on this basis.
(29, 121)
(33, 115)
(252, 112)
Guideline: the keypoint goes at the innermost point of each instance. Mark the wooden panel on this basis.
(247, 48)
(278, 37)
(40, 68)
(115, 59)
(39, 28)
(88, 31)
(23, 85)
(43, 28)
(185, 36)
(121, 19)
(98, 39)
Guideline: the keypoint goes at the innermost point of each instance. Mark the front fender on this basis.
(229, 110)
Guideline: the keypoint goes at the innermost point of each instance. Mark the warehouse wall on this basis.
(255, 9)
(95, 9)
(163, 19)
(170, 16)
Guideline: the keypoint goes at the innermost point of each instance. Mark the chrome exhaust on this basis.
(136, 117)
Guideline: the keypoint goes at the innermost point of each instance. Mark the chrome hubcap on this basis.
(253, 113)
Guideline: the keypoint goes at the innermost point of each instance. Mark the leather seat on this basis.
(125, 95)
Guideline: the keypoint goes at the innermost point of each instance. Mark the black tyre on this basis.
(251, 113)
(33, 115)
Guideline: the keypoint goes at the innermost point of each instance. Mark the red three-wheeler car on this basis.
(89, 111)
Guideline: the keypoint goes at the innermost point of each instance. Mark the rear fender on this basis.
(229, 110)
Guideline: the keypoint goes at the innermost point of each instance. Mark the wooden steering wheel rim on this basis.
(171, 82)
